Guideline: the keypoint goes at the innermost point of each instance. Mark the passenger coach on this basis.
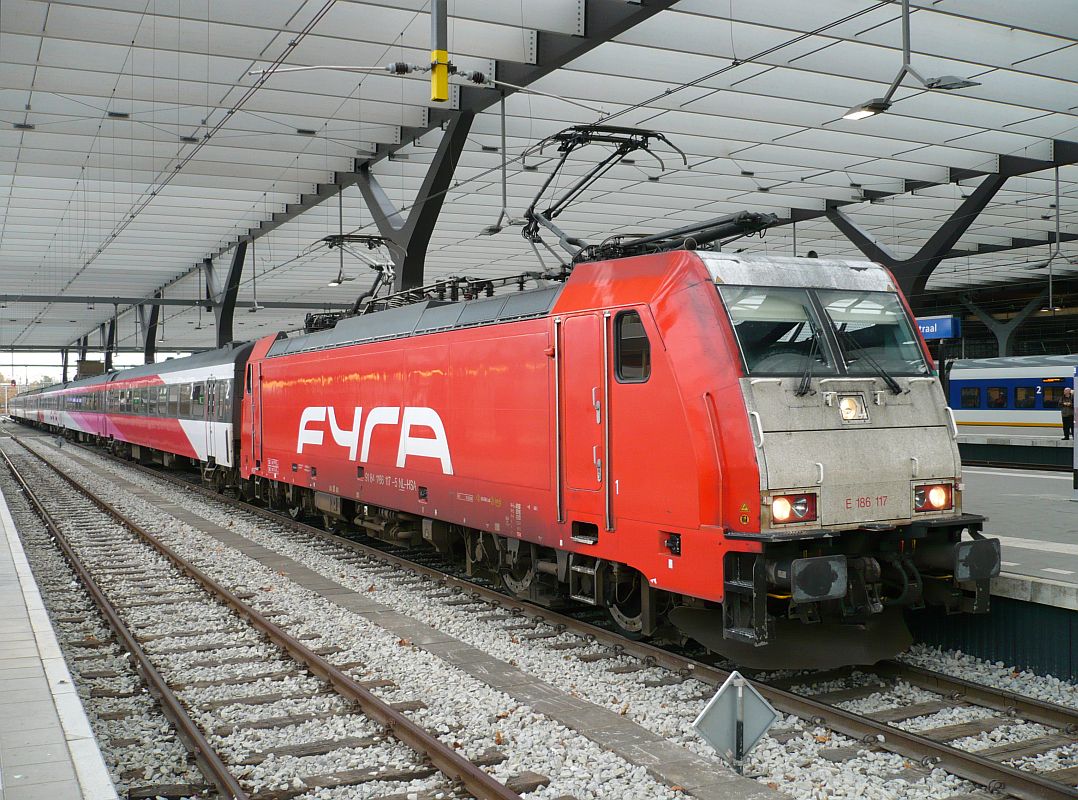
(1017, 396)
(178, 411)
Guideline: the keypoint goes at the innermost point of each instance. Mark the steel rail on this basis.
(209, 762)
(1010, 703)
(444, 758)
(996, 777)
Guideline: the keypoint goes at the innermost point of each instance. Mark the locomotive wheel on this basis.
(623, 604)
(518, 578)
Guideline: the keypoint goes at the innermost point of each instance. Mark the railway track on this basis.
(925, 749)
(253, 662)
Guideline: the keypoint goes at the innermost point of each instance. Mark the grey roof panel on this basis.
(480, 311)
(529, 304)
(419, 318)
(439, 316)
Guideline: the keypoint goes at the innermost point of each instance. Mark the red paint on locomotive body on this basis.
(362, 421)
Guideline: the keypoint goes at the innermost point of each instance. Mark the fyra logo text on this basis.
(408, 445)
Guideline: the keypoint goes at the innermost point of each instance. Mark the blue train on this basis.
(1016, 396)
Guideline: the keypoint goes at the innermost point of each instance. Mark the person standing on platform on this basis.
(1066, 408)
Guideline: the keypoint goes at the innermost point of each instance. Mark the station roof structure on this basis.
(135, 143)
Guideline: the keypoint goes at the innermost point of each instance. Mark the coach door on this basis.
(211, 415)
(583, 412)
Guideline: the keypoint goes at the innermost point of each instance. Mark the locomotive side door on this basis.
(583, 417)
(254, 389)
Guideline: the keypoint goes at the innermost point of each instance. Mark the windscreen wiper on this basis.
(805, 386)
(850, 345)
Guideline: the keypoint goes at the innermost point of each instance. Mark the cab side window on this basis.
(632, 350)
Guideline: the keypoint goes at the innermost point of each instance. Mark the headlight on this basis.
(786, 508)
(852, 407)
(933, 497)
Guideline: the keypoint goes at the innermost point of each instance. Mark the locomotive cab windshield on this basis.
(796, 331)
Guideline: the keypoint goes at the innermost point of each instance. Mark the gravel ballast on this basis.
(465, 713)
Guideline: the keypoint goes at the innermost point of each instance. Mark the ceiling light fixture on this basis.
(878, 105)
(950, 83)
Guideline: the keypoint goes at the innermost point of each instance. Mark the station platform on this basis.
(1016, 449)
(1033, 515)
(47, 748)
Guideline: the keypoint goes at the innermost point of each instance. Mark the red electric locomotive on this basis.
(745, 448)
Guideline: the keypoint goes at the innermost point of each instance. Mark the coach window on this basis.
(162, 401)
(185, 400)
(224, 400)
(1025, 397)
(971, 397)
(997, 396)
(632, 350)
(1052, 396)
(174, 400)
(198, 400)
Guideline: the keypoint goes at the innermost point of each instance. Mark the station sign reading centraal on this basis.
(940, 327)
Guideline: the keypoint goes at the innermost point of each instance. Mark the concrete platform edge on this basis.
(90, 770)
(1044, 591)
